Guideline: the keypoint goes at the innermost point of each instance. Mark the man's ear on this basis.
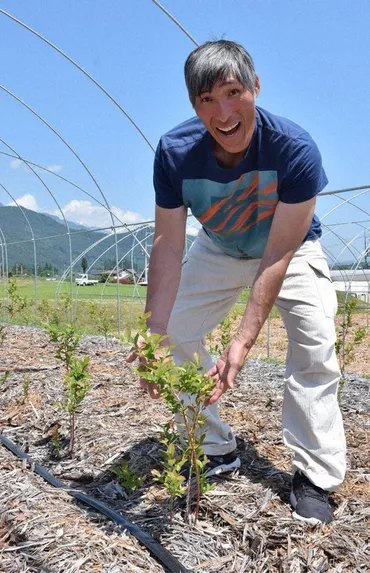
(257, 87)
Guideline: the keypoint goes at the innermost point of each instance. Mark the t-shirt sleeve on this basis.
(305, 176)
(166, 195)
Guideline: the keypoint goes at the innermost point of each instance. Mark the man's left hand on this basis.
(226, 369)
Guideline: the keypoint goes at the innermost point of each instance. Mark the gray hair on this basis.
(213, 61)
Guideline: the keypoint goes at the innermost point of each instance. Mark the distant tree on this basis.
(46, 271)
(84, 264)
(109, 264)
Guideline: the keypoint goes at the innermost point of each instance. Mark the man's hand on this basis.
(228, 366)
(152, 389)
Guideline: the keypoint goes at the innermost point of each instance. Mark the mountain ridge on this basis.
(52, 242)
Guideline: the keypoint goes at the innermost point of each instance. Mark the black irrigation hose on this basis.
(165, 558)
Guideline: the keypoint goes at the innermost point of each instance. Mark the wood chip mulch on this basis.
(245, 523)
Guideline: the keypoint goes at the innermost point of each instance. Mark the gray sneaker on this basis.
(310, 502)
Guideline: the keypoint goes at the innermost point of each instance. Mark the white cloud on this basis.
(28, 201)
(18, 163)
(15, 164)
(92, 215)
(54, 168)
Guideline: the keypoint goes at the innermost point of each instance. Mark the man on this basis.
(251, 179)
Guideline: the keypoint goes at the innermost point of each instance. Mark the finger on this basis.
(212, 372)
(214, 397)
(217, 392)
(229, 376)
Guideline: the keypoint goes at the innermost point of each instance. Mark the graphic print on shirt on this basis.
(236, 215)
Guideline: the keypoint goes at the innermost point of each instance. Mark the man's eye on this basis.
(205, 99)
(234, 91)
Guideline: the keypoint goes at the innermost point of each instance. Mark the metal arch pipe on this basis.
(19, 100)
(347, 247)
(104, 253)
(32, 235)
(5, 247)
(344, 201)
(87, 250)
(27, 162)
(348, 202)
(79, 257)
(329, 229)
(5, 268)
(53, 198)
(175, 22)
(82, 70)
(344, 190)
(135, 290)
(103, 205)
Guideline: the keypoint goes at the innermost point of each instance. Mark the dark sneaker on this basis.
(222, 464)
(310, 502)
(218, 465)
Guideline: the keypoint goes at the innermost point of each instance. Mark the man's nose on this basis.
(223, 111)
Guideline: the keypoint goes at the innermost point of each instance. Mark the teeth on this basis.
(226, 129)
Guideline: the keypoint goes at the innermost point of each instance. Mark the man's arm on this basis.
(289, 227)
(165, 266)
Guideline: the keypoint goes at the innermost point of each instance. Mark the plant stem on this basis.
(72, 438)
(190, 432)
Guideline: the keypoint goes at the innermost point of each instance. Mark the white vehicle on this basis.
(83, 280)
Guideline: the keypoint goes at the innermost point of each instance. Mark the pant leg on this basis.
(312, 422)
(210, 285)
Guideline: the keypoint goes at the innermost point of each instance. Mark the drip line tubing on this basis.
(169, 562)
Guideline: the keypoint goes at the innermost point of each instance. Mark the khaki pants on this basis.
(211, 283)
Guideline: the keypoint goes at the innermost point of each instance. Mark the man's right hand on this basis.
(152, 389)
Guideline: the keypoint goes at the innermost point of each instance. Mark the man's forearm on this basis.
(163, 283)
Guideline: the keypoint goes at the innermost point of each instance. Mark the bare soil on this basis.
(272, 342)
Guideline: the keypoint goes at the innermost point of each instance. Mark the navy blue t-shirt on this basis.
(236, 206)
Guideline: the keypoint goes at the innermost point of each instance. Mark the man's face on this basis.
(229, 114)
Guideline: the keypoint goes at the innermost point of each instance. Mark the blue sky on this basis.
(312, 59)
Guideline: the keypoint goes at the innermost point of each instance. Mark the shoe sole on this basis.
(295, 515)
(224, 468)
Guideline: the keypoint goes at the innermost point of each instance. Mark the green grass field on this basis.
(63, 303)
(51, 289)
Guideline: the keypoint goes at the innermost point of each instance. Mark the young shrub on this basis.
(225, 332)
(158, 367)
(16, 302)
(44, 311)
(347, 340)
(4, 377)
(76, 386)
(173, 463)
(14, 305)
(103, 322)
(127, 478)
(76, 376)
(66, 341)
(26, 386)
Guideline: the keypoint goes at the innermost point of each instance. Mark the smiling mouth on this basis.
(229, 131)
